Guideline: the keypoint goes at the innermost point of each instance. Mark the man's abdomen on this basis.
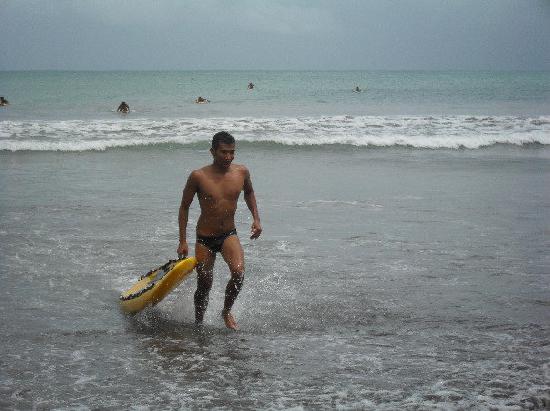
(216, 223)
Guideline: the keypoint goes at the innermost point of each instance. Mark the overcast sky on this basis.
(274, 34)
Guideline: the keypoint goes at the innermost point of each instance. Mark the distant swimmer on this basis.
(3, 101)
(357, 89)
(201, 100)
(123, 108)
(250, 86)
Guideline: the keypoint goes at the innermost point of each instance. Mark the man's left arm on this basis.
(250, 199)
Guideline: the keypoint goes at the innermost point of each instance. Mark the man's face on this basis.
(223, 155)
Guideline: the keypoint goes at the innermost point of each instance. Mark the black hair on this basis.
(222, 137)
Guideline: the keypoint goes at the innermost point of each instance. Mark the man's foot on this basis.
(230, 321)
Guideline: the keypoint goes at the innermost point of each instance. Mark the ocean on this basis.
(404, 261)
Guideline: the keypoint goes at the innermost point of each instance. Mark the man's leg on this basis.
(233, 255)
(205, 268)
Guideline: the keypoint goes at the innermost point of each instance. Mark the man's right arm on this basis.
(186, 200)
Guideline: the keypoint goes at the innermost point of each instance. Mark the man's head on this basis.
(222, 137)
(223, 149)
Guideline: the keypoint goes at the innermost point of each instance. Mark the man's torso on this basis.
(218, 194)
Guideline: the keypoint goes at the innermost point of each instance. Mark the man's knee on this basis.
(237, 268)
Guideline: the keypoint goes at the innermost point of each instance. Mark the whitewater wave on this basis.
(453, 132)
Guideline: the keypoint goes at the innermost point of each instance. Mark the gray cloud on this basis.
(216, 34)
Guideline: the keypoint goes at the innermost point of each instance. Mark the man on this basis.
(123, 108)
(201, 100)
(218, 187)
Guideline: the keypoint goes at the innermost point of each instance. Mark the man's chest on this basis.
(227, 187)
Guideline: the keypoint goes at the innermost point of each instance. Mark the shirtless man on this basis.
(218, 187)
(201, 100)
(123, 108)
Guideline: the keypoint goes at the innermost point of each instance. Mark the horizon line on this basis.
(279, 70)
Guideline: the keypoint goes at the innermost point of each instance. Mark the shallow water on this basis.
(390, 278)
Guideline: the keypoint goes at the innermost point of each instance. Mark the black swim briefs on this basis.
(215, 244)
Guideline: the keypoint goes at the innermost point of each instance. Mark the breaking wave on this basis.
(450, 132)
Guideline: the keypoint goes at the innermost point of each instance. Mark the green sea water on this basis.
(75, 95)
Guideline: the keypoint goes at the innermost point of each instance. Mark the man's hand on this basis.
(183, 249)
(255, 230)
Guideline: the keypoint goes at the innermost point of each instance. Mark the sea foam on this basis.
(453, 132)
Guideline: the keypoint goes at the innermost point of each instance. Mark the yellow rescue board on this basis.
(156, 284)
